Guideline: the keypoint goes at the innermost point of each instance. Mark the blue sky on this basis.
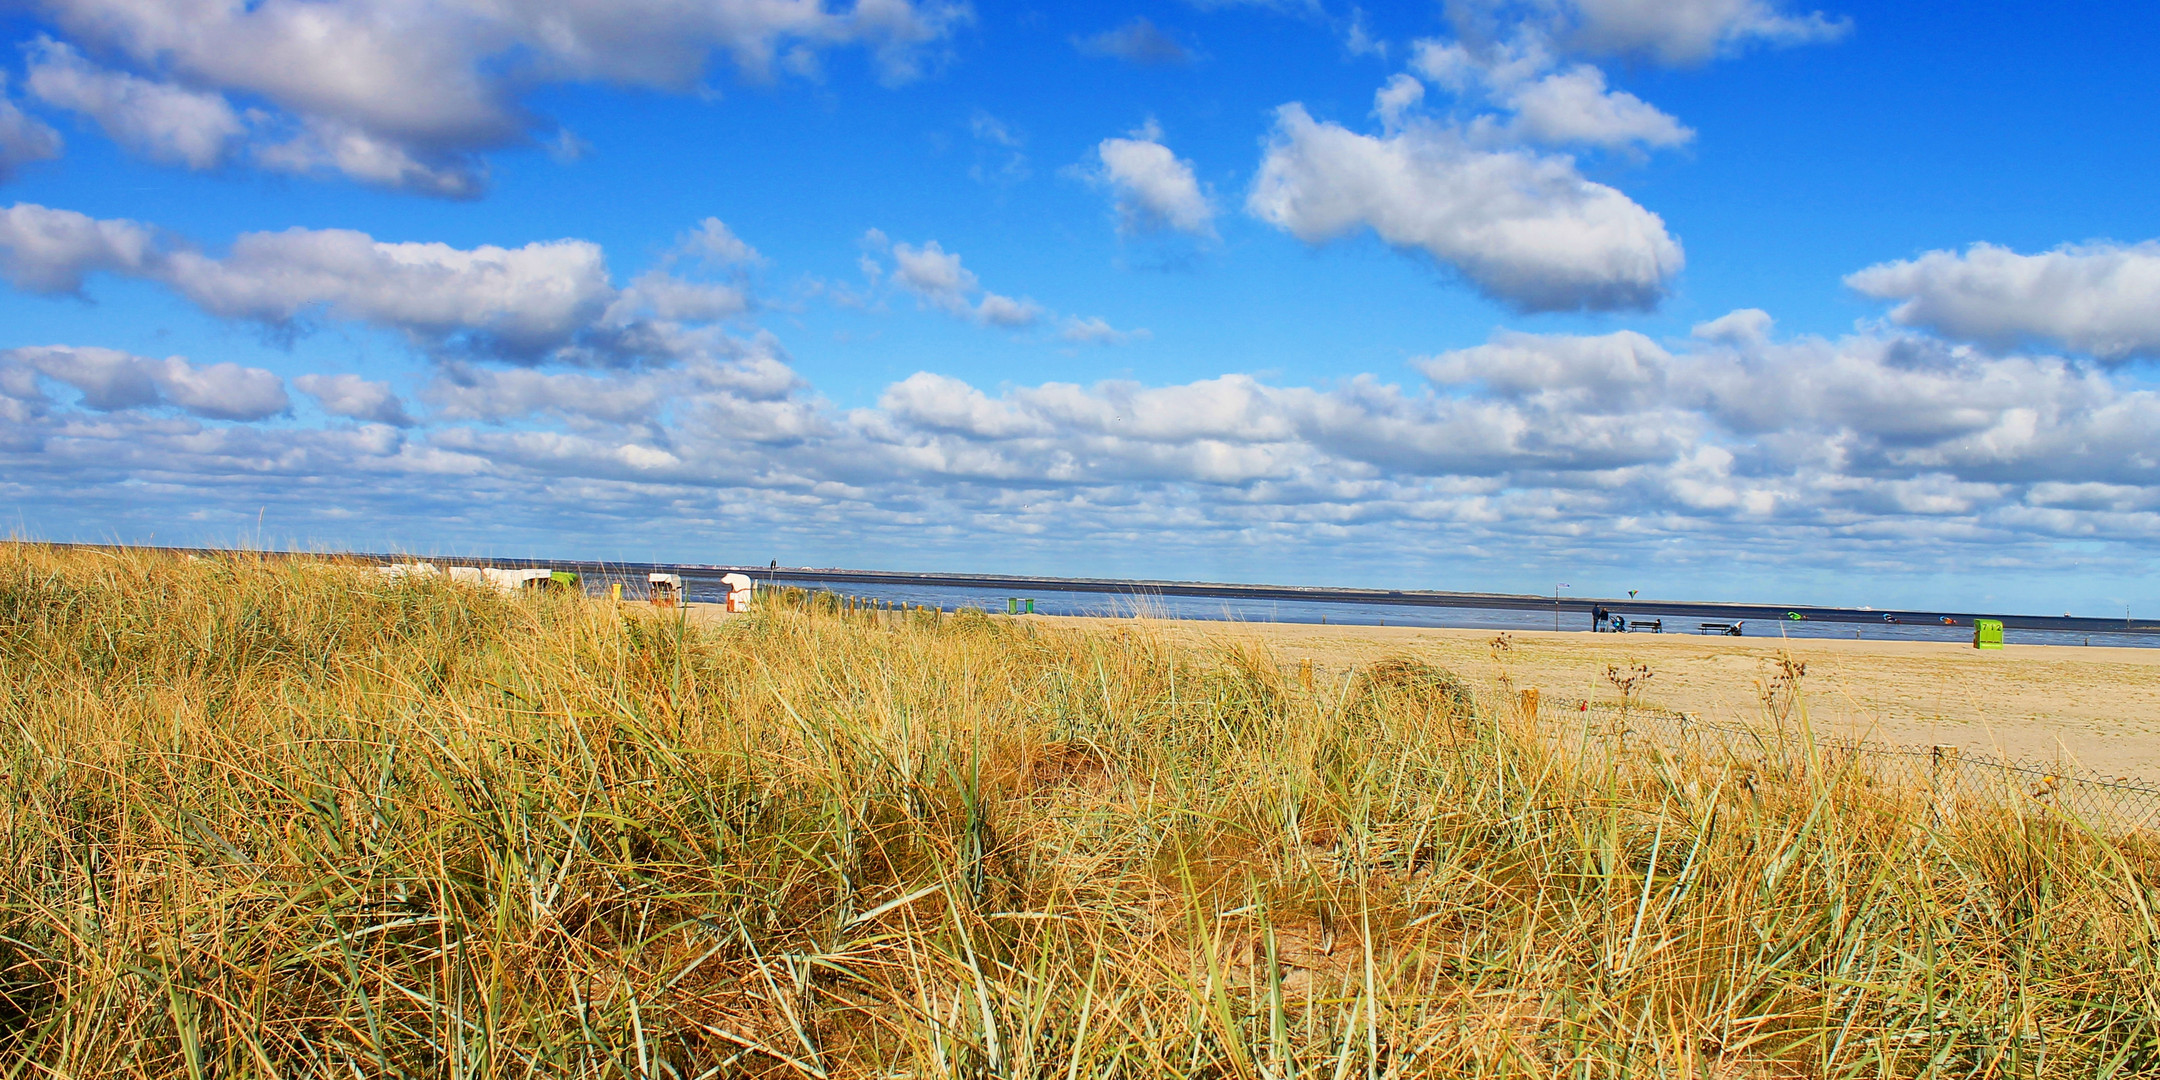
(1708, 298)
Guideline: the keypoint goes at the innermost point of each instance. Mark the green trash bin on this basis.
(1987, 633)
(1030, 602)
(1012, 605)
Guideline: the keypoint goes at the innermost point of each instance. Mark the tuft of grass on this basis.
(291, 818)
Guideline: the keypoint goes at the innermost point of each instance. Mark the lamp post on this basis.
(1557, 586)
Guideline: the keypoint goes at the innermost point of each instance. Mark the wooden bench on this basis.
(1729, 629)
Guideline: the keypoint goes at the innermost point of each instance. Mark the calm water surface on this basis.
(1051, 602)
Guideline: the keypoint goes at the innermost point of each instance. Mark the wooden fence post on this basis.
(1942, 784)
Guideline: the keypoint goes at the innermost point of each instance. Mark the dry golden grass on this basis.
(294, 819)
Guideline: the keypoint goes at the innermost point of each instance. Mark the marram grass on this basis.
(289, 818)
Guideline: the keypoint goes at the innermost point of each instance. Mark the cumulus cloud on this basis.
(1539, 100)
(332, 146)
(2099, 299)
(1004, 311)
(111, 380)
(407, 96)
(1671, 32)
(520, 302)
(752, 398)
(1525, 229)
(1687, 31)
(1394, 101)
(1139, 41)
(546, 300)
(940, 403)
(1155, 189)
(1887, 443)
(355, 398)
(51, 251)
(931, 272)
(936, 277)
(23, 138)
(1746, 326)
(163, 122)
(1575, 106)
(1878, 448)
(665, 296)
(712, 241)
(466, 392)
(1816, 427)
(1475, 193)
(1808, 430)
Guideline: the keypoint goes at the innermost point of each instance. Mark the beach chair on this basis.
(665, 590)
(738, 591)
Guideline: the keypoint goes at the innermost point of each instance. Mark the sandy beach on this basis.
(2096, 708)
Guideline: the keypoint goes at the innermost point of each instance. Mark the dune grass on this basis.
(286, 818)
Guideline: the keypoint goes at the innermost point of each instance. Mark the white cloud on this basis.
(466, 392)
(1004, 311)
(712, 241)
(334, 146)
(1452, 66)
(519, 302)
(223, 391)
(51, 251)
(1525, 229)
(108, 379)
(941, 403)
(1746, 326)
(1395, 100)
(936, 277)
(2101, 299)
(547, 300)
(405, 95)
(161, 121)
(1139, 41)
(1155, 189)
(1687, 31)
(1574, 106)
(1358, 39)
(23, 138)
(932, 273)
(750, 379)
(355, 398)
(1611, 372)
(661, 294)
(665, 296)
(1728, 450)
(111, 380)
(1886, 444)
(1094, 331)
(1544, 103)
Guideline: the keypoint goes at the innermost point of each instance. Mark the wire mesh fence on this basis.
(1951, 779)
